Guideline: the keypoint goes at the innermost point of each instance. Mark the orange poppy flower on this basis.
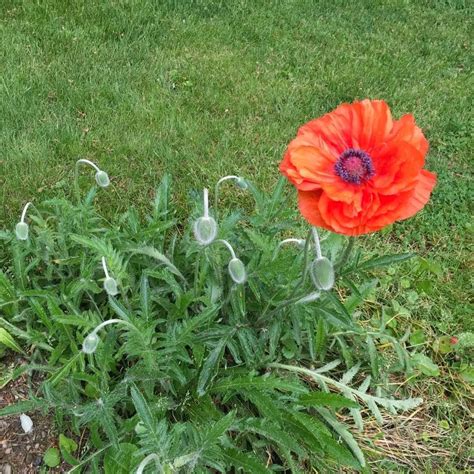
(357, 170)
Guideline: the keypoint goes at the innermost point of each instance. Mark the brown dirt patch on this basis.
(20, 452)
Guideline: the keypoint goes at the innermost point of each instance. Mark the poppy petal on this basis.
(405, 129)
(372, 123)
(307, 165)
(419, 196)
(333, 128)
(397, 166)
(308, 205)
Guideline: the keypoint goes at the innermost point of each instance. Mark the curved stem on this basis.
(317, 243)
(112, 321)
(206, 202)
(104, 266)
(146, 461)
(216, 189)
(23, 214)
(88, 162)
(287, 241)
(197, 269)
(229, 247)
(305, 265)
(76, 175)
(291, 298)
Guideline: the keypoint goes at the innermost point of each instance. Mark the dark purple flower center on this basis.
(354, 166)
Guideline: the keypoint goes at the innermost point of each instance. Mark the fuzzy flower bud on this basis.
(237, 271)
(241, 183)
(102, 179)
(22, 231)
(322, 273)
(205, 230)
(110, 286)
(321, 269)
(90, 343)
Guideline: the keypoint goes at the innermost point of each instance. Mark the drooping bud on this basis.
(321, 269)
(322, 273)
(242, 183)
(237, 271)
(22, 231)
(110, 286)
(236, 268)
(205, 230)
(90, 343)
(102, 179)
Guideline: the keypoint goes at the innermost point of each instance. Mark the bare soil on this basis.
(20, 452)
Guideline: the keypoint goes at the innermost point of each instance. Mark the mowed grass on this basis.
(204, 89)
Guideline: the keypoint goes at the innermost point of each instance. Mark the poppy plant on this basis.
(357, 170)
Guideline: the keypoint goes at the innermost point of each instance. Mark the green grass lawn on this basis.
(203, 89)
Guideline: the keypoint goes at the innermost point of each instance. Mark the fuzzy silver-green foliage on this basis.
(206, 374)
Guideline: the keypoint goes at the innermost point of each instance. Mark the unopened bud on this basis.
(322, 273)
(110, 286)
(22, 231)
(237, 271)
(241, 183)
(90, 343)
(102, 179)
(205, 230)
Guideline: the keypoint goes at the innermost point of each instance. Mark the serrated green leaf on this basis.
(326, 399)
(425, 365)
(244, 462)
(350, 374)
(143, 410)
(158, 256)
(319, 431)
(7, 340)
(121, 460)
(273, 433)
(210, 366)
(373, 356)
(384, 261)
(342, 431)
(257, 382)
(19, 407)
